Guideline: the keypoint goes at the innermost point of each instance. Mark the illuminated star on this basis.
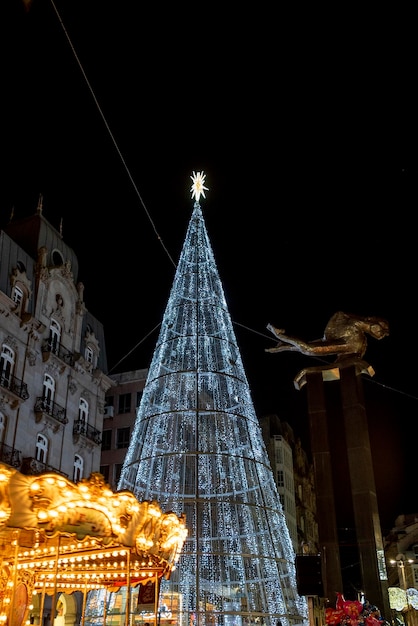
(198, 188)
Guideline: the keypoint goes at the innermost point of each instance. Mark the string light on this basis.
(197, 448)
(45, 511)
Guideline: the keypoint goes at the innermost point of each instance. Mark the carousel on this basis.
(59, 537)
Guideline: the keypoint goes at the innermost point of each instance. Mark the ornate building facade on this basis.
(52, 356)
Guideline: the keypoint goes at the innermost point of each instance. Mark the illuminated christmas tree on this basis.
(197, 449)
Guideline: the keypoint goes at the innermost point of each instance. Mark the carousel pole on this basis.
(54, 595)
(41, 608)
(104, 607)
(128, 589)
(16, 537)
(83, 612)
(156, 594)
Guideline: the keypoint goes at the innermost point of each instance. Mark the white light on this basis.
(198, 188)
(197, 448)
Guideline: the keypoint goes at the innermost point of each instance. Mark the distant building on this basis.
(295, 482)
(401, 556)
(401, 552)
(119, 419)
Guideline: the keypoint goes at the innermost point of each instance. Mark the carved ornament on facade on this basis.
(72, 387)
(31, 357)
(32, 326)
(54, 367)
(84, 443)
(80, 308)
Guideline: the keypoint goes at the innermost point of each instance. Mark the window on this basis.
(54, 336)
(108, 409)
(104, 470)
(41, 449)
(7, 362)
(78, 468)
(118, 471)
(106, 439)
(280, 478)
(138, 398)
(20, 288)
(83, 410)
(125, 403)
(122, 437)
(279, 454)
(17, 297)
(91, 347)
(109, 400)
(57, 257)
(89, 354)
(48, 392)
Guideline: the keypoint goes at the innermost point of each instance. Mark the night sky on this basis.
(305, 126)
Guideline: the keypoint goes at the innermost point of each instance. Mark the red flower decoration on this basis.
(339, 604)
(333, 616)
(353, 608)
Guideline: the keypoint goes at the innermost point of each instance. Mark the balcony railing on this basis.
(52, 347)
(33, 467)
(44, 406)
(88, 431)
(9, 455)
(15, 385)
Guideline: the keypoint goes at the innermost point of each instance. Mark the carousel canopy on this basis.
(63, 536)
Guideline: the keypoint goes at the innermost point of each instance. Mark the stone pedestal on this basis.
(360, 480)
(324, 487)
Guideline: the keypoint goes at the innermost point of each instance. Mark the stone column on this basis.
(363, 491)
(326, 515)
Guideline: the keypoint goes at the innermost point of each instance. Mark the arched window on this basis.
(83, 410)
(41, 448)
(7, 362)
(18, 298)
(48, 392)
(89, 355)
(54, 336)
(78, 468)
(57, 258)
(20, 288)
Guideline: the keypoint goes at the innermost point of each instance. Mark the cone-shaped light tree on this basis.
(197, 449)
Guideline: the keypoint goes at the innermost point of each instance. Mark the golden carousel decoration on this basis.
(59, 537)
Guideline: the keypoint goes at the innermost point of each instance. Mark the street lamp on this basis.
(402, 599)
(400, 562)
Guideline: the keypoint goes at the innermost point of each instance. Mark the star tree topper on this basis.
(198, 188)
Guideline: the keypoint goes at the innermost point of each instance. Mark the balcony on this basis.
(87, 431)
(33, 467)
(50, 412)
(12, 389)
(54, 347)
(10, 456)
